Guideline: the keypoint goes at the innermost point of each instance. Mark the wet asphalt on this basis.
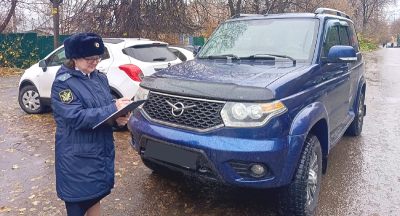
(363, 177)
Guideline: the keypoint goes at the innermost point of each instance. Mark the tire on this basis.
(29, 100)
(355, 127)
(300, 197)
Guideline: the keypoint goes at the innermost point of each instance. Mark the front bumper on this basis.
(222, 157)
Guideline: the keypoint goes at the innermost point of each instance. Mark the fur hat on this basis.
(83, 45)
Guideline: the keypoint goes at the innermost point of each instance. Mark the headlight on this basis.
(141, 94)
(250, 114)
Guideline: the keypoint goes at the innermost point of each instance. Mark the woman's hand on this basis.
(121, 121)
(122, 102)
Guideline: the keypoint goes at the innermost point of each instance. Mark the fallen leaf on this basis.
(30, 197)
(21, 210)
(135, 163)
(10, 150)
(37, 178)
(35, 202)
(4, 209)
(32, 209)
(15, 166)
(36, 155)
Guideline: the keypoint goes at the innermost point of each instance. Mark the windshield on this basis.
(293, 38)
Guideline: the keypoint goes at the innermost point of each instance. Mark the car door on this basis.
(46, 78)
(337, 79)
(355, 67)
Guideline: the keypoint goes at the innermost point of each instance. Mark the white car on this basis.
(124, 61)
(182, 53)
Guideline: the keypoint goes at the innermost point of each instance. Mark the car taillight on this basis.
(133, 71)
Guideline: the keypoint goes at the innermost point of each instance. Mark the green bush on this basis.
(17, 51)
(365, 47)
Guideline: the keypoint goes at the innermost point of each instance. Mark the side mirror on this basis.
(341, 54)
(196, 50)
(42, 64)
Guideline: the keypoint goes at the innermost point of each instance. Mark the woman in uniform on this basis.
(81, 98)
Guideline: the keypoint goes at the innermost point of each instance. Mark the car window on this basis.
(344, 37)
(179, 54)
(150, 53)
(353, 37)
(331, 37)
(57, 59)
(106, 54)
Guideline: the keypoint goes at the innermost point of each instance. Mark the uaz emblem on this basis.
(178, 108)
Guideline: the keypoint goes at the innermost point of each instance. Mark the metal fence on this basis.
(24, 49)
(198, 41)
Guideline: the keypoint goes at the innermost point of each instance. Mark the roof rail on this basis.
(338, 13)
(245, 15)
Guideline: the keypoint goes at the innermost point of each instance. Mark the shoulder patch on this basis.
(66, 96)
(64, 77)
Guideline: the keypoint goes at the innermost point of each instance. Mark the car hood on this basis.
(244, 73)
(221, 80)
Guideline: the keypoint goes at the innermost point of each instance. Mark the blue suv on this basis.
(260, 106)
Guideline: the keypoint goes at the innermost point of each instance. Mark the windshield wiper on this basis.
(225, 56)
(280, 56)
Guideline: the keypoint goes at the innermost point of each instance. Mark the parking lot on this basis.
(362, 176)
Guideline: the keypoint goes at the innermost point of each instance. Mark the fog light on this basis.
(258, 170)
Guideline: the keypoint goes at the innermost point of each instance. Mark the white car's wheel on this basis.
(29, 100)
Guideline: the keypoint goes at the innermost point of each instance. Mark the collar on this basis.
(83, 73)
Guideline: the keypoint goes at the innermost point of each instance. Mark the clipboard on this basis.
(122, 112)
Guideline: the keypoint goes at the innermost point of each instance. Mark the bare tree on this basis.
(9, 15)
(367, 9)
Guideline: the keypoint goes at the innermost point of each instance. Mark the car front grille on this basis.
(201, 115)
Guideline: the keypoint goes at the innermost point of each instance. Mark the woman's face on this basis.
(87, 64)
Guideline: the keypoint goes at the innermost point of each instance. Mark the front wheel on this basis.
(300, 197)
(29, 100)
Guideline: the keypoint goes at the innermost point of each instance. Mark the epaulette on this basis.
(64, 77)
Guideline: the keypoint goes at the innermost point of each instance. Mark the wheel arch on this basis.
(115, 91)
(313, 119)
(26, 83)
